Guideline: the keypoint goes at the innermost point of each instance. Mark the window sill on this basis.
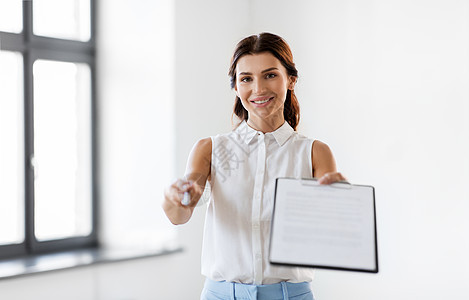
(37, 264)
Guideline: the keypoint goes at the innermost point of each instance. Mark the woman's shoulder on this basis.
(206, 143)
(203, 144)
(320, 147)
(232, 135)
(301, 138)
(320, 151)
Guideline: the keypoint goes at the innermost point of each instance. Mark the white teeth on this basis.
(262, 101)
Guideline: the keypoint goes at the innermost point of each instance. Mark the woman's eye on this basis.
(270, 75)
(245, 79)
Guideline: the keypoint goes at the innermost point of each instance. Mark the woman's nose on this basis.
(259, 86)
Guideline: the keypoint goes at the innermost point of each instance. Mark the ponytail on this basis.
(291, 110)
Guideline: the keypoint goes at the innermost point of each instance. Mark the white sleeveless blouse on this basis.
(245, 164)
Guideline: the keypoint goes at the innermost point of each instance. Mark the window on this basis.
(67, 19)
(47, 139)
(11, 149)
(11, 16)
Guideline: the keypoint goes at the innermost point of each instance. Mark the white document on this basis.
(324, 226)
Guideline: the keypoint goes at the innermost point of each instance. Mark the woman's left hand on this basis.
(331, 177)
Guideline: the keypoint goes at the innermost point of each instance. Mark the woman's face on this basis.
(262, 83)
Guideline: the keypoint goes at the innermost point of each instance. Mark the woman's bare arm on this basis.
(197, 174)
(324, 166)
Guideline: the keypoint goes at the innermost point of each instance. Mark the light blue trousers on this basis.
(222, 290)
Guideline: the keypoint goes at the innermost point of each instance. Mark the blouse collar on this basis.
(281, 135)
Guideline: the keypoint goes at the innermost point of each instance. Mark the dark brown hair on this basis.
(267, 42)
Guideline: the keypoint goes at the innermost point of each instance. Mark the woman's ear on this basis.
(291, 84)
(235, 88)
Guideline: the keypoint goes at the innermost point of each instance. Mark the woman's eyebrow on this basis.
(266, 70)
(269, 69)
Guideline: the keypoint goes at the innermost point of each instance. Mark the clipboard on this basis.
(324, 226)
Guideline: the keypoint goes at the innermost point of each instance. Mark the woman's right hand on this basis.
(198, 172)
(177, 212)
(175, 192)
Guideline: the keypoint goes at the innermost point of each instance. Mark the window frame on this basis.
(32, 48)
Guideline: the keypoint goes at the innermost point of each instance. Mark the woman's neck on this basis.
(266, 124)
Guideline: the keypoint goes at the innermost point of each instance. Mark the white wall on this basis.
(384, 83)
(135, 113)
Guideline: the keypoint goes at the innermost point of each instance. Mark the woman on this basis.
(241, 167)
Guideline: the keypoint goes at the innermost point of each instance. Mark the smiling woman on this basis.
(261, 87)
(241, 167)
(275, 55)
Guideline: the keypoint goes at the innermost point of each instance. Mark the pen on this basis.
(186, 199)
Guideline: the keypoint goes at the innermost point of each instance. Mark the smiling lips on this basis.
(261, 100)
